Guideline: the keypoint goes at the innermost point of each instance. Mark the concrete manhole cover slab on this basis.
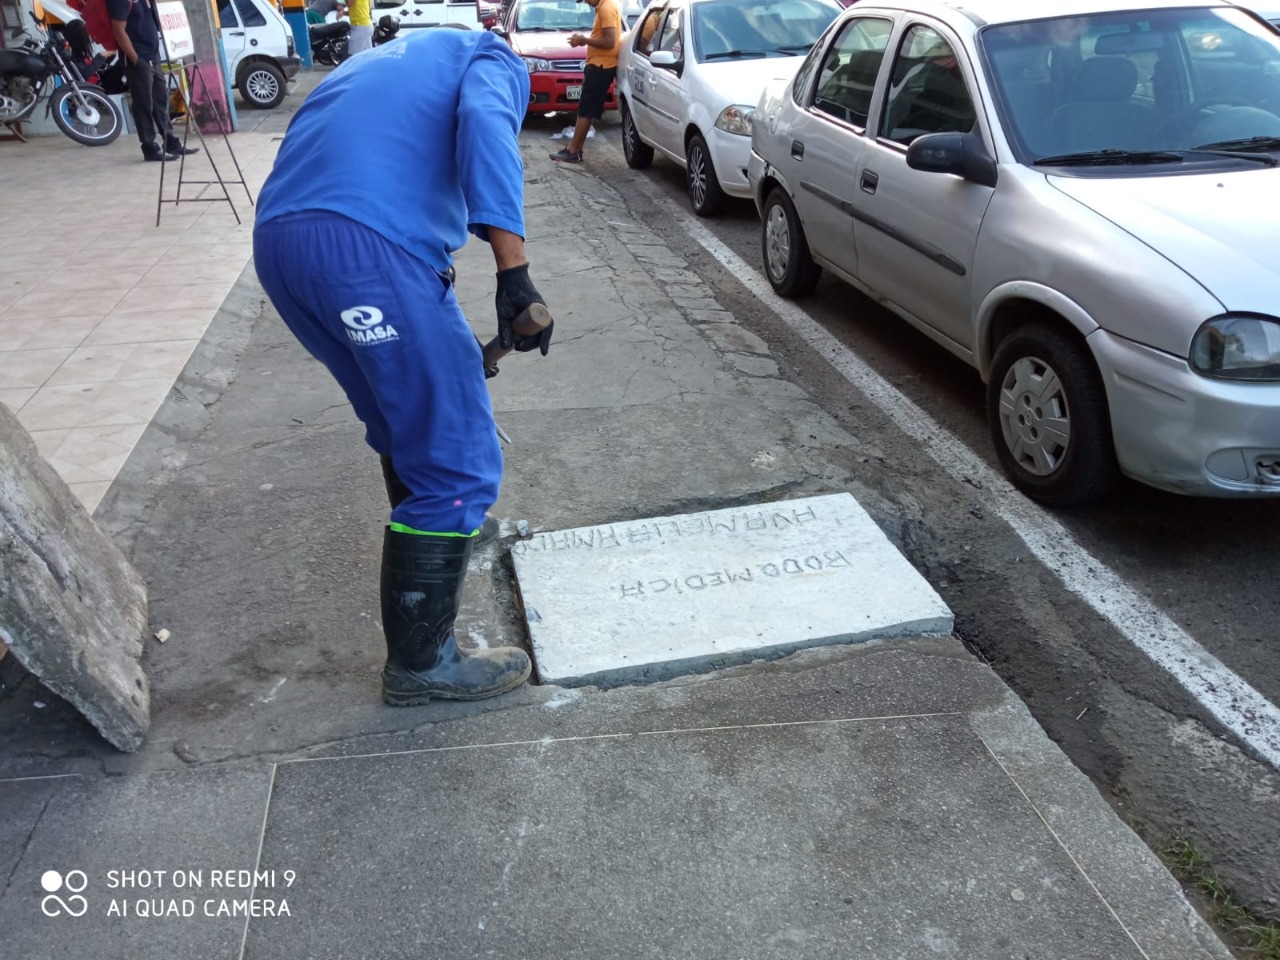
(651, 599)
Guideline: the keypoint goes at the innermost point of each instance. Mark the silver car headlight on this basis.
(736, 119)
(537, 64)
(1238, 347)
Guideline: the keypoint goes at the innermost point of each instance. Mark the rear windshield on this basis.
(554, 15)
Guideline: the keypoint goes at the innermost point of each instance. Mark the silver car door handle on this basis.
(797, 150)
(869, 181)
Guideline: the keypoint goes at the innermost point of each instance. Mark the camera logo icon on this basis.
(53, 905)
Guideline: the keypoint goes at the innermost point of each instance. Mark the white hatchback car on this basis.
(690, 74)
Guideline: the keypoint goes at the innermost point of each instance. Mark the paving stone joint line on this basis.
(1065, 849)
(48, 776)
(547, 741)
(257, 863)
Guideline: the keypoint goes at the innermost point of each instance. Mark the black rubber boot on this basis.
(397, 491)
(421, 591)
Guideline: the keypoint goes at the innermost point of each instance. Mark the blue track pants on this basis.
(388, 327)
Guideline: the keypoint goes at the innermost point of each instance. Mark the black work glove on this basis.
(515, 294)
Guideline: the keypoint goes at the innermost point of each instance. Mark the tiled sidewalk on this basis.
(100, 308)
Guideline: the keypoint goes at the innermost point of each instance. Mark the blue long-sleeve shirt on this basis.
(416, 139)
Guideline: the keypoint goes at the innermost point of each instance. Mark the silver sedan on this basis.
(1079, 202)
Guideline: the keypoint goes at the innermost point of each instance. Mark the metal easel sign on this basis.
(180, 51)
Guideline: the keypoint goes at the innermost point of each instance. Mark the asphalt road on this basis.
(1210, 565)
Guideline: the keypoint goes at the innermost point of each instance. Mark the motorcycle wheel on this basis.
(86, 114)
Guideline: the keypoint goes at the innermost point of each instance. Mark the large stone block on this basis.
(652, 599)
(72, 608)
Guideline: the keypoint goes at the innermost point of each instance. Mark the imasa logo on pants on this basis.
(365, 326)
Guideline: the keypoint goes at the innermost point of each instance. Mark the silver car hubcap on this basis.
(697, 177)
(628, 133)
(263, 87)
(1034, 416)
(777, 238)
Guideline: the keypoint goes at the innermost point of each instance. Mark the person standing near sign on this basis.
(137, 33)
(602, 66)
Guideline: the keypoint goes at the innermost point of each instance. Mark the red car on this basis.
(539, 31)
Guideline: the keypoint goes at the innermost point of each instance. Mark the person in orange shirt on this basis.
(602, 65)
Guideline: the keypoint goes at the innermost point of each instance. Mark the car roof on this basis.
(1016, 11)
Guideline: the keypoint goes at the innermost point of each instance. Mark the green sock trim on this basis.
(401, 528)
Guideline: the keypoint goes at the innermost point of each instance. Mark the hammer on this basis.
(529, 322)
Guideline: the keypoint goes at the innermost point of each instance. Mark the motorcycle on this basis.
(329, 40)
(81, 110)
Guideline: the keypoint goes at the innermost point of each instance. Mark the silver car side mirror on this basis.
(960, 154)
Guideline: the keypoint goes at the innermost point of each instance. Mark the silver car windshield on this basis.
(751, 29)
(1121, 85)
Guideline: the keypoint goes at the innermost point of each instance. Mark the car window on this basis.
(553, 16)
(672, 38)
(648, 31)
(800, 85)
(250, 15)
(927, 92)
(752, 29)
(227, 15)
(847, 78)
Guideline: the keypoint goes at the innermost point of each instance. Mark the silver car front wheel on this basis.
(1034, 416)
(1048, 416)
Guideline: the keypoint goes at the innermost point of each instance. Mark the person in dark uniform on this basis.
(138, 36)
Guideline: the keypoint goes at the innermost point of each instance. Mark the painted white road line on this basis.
(1221, 691)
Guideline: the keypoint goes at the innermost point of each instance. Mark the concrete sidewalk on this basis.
(890, 799)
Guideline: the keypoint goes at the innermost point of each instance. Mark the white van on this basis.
(431, 13)
(261, 59)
